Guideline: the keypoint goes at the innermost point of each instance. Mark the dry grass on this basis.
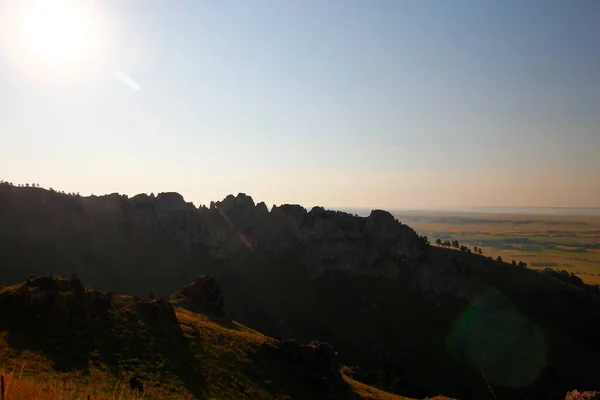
(222, 361)
(370, 393)
(16, 386)
(225, 349)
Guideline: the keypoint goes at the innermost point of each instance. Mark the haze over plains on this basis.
(391, 104)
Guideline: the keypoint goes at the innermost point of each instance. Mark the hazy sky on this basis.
(417, 104)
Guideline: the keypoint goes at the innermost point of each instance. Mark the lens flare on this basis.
(127, 81)
(493, 337)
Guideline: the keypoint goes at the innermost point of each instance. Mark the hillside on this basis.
(407, 317)
(54, 329)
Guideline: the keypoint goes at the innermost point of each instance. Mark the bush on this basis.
(176, 296)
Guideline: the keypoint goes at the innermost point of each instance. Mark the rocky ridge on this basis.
(203, 295)
(378, 245)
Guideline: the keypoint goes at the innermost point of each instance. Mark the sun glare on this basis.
(55, 35)
(56, 31)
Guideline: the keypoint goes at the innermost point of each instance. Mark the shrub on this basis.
(176, 296)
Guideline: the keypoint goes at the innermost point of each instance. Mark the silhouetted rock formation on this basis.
(378, 245)
(204, 294)
(314, 363)
(168, 202)
(157, 310)
(321, 240)
(53, 297)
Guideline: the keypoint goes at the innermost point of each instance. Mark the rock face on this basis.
(313, 364)
(319, 239)
(204, 294)
(53, 297)
(157, 310)
(377, 245)
(333, 240)
(168, 202)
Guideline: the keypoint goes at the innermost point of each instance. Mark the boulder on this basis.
(49, 296)
(204, 295)
(313, 364)
(158, 310)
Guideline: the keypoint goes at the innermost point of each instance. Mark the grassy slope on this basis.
(366, 317)
(196, 358)
(370, 393)
(339, 308)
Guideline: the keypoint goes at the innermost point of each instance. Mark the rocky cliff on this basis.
(378, 245)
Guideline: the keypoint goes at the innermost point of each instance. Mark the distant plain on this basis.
(556, 239)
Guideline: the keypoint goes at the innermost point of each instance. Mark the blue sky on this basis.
(396, 104)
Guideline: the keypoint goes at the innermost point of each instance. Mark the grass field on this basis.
(564, 242)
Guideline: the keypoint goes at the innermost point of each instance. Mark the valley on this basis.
(569, 241)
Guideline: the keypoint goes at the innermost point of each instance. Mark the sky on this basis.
(341, 103)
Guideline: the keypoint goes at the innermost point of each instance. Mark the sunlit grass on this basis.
(370, 393)
(17, 386)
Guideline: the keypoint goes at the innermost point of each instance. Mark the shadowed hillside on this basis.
(409, 318)
(53, 328)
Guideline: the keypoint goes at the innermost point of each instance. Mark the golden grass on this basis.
(20, 387)
(370, 393)
(591, 279)
(16, 386)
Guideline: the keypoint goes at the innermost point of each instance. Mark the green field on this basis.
(564, 242)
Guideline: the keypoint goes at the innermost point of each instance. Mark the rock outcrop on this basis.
(51, 297)
(168, 202)
(204, 295)
(158, 310)
(313, 364)
(320, 239)
(377, 245)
